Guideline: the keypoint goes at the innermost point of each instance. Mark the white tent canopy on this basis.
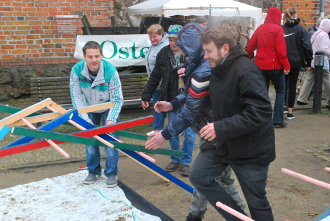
(151, 7)
(195, 7)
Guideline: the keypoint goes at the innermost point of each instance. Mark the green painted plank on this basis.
(89, 141)
(13, 110)
(130, 135)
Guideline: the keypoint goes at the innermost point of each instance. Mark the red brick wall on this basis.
(28, 28)
(308, 10)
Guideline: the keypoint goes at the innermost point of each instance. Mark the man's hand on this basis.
(145, 104)
(181, 72)
(208, 132)
(286, 72)
(163, 106)
(155, 142)
(109, 122)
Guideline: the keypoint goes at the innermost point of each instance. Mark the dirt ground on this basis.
(302, 147)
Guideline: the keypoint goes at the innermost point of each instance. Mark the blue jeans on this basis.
(93, 156)
(159, 118)
(188, 143)
(252, 179)
(278, 79)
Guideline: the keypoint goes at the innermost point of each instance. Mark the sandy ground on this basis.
(302, 147)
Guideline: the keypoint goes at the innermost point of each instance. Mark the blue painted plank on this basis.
(4, 131)
(46, 127)
(324, 216)
(139, 158)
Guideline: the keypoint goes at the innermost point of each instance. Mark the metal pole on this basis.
(322, 9)
(318, 77)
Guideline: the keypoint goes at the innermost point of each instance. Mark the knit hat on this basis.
(174, 30)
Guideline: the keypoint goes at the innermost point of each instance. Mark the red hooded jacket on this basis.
(270, 42)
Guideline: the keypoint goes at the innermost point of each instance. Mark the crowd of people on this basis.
(206, 84)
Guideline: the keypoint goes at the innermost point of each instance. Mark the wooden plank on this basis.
(4, 131)
(44, 87)
(13, 110)
(61, 101)
(47, 79)
(45, 84)
(58, 95)
(51, 116)
(89, 141)
(48, 126)
(25, 112)
(130, 135)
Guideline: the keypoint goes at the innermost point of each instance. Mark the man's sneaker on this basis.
(111, 181)
(290, 116)
(184, 169)
(301, 103)
(172, 166)
(191, 218)
(90, 178)
(277, 125)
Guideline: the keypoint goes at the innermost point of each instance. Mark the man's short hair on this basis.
(155, 29)
(219, 36)
(93, 45)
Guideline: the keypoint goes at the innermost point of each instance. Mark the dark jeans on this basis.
(291, 86)
(278, 79)
(252, 178)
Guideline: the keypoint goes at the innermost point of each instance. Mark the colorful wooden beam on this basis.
(306, 178)
(13, 110)
(51, 143)
(233, 212)
(51, 116)
(40, 144)
(89, 141)
(130, 135)
(160, 171)
(4, 131)
(25, 146)
(47, 127)
(52, 108)
(25, 112)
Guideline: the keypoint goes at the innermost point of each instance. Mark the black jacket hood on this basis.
(292, 22)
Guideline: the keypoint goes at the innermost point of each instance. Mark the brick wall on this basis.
(308, 10)
(29, 28)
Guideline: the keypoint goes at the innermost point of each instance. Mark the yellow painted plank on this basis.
(51, 116)
(25, 112)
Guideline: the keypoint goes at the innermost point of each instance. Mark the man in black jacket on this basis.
(242, 133)
(169, 60)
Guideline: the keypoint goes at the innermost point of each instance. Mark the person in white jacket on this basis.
(95, 81)
(158, 39)
(320, 42)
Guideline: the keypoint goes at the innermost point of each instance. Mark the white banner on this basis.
(119, 50)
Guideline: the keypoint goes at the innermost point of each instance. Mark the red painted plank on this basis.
(88, 133)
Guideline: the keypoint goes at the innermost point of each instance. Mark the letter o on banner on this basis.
(107, 49)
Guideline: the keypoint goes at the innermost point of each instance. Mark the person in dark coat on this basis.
(169, 60)
(299, 52)
(242, 133)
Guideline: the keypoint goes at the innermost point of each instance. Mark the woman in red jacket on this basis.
(271, 58)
